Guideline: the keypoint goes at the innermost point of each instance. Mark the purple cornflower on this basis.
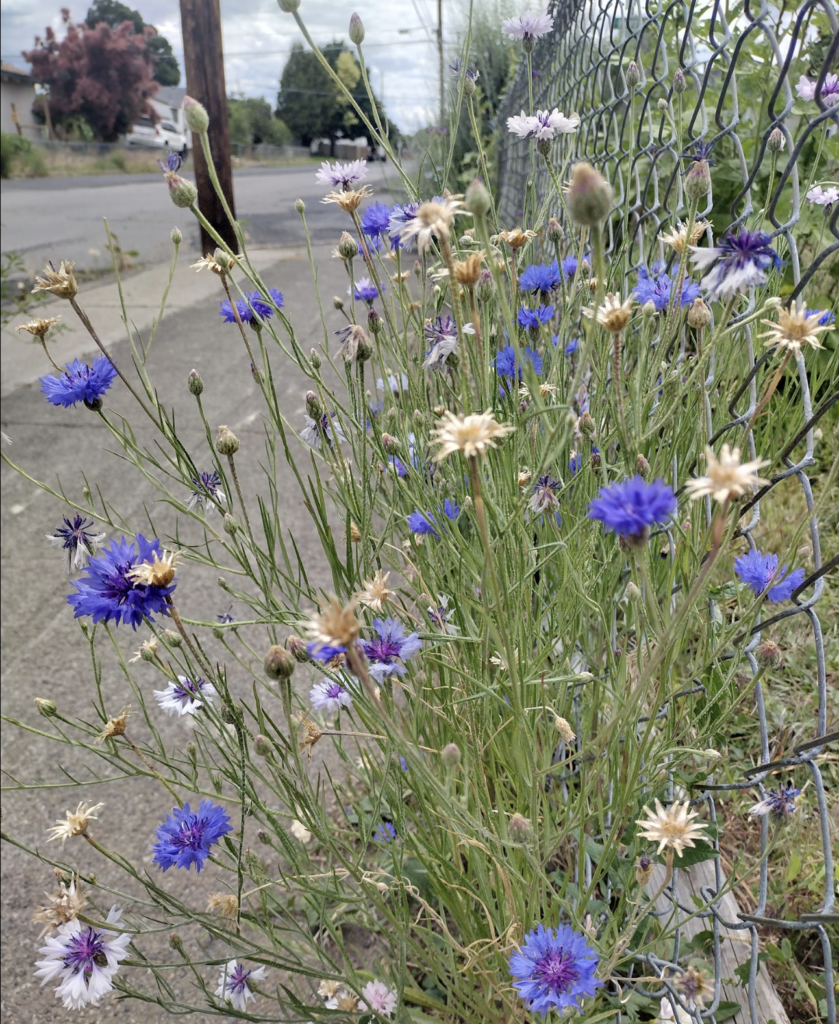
(655, 285)
(540, 277)
(425, 522)
(534, 318)
(780, 803)
(457, 66)
(830, 89)
(527, 27)
(544, 498)
(826, 316)
(375, 220)
(315, 430)
(737, 263)
(384, 833)
(207, 493)
(760, 572)
(701, 151)
(329, 696)
(390, 648)
(80, 383)
(343, 176)
(365, 290)
(84, 959)
(186, 836)
(569, 267)
(109, 594)
(225, 618)
(185, 696)
(554, 969)
(506, 364)
(77, 540)
(441, 616)
(575, 463)
(400, 216)
(631, 507)
(173, 163)
(234, 984)
(442, 335)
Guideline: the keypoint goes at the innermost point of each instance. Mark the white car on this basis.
(160, 135)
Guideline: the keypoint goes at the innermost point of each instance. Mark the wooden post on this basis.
(204, 66)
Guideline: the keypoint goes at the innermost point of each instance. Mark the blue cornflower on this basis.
(389, 648)
(173, 163)
(534, 318)
(569, 267)
(80, 383)
(403, 764)
(780, 802)
(425, 523)
(540, 277)
(506, 364)
(657, 286)
(631, 507)
(554, 969)
(111, 593)
(254, 303)
(375, 220)
(759, 572)
(207, 493)
(396, 463)
(575, 463)
(400, 216)
(385, 832)
(77, 540)
(740, 262)
(186, 836)
(365, 290)
(826, 316)
(570, 348)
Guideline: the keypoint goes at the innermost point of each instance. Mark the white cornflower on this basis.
(74, 824)
(727, 477)
(84, 959)
(440, 616)
(473, 435)
(234, 982)
(672, 829)
(544, 124)
(379, 998)
(185, 696)
(823, 196)
(527, 26)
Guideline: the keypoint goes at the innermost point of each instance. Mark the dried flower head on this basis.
(61, 282)
(219, 262)
(350, 200)
(64, 905)
(74, 824)
(223, 903)
(159, 572)
(328, 989)
(727, 477)
(613, 315)
(335, 625)
(672, 829)
(678, 237)
(563, 727)
(147, 651)
(473, 435)
(309, 735)
(516, 238)
(468, 271)
(38, 328)
(300, 832)
(695, 986)
(376, 592)
(114, 726)
(795, 328)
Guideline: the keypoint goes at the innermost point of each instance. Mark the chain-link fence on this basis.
(740, 67)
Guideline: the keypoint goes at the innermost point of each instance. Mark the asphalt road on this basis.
(44, 651)
(51, 218)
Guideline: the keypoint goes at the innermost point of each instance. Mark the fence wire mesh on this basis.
(736, 63)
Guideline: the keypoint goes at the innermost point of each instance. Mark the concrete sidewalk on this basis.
(45, 654)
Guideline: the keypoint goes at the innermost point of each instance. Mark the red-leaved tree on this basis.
(103, 76)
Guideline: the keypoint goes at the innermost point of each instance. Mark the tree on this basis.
(252, 122)
(310, 102)
(101, 76)
(114, 13)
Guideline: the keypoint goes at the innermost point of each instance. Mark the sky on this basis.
(400, 46)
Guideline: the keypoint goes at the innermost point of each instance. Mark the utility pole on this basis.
(204, 67)
(440, 59)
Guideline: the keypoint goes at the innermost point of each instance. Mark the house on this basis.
(168, 104)
(17, 94)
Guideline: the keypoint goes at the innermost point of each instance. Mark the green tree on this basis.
(114, 13)
(252, 121)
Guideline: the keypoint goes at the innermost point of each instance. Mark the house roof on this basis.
(171, 95)
(9, 73)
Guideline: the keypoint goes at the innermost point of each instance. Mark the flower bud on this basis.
(356, 30)
(289, 6)
(768, 654)
(563, 727)
(192, 751)
(299, 205)
(347, 246)
(588, 195)
(176, 942)
(486, 286)
(195, 383)
(374, 323)
(172, 638)
(633, 75)
(417, 268)
(392, 417)
(95, 405)
(543, 146)
(391, 444)
(226, 441)
(47, 708)
(338, 302)
(222, 582)
(176, 236)
(776, 142)
(230, 524)
(419, 419)
(313, 407)
(217, 632)
(314, 359)
(263, 837)
(587, 426)
(642, 466)
(554, 232)
(519, 827)
(648, 310)
(633, 591)
(698, 179)
(712, 755)
(354, 532)
(595, 461)
(182, 192)
(662, 104)
(262, 745)
(298, 648)
(450, 755)
(231, 714)
(196, 116)
(469, 86)
(643, 869)
(679, 83)
(699, 315)
(477, 199)
(279, 663)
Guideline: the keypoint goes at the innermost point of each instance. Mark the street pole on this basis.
(204, 67)
(440, 59)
